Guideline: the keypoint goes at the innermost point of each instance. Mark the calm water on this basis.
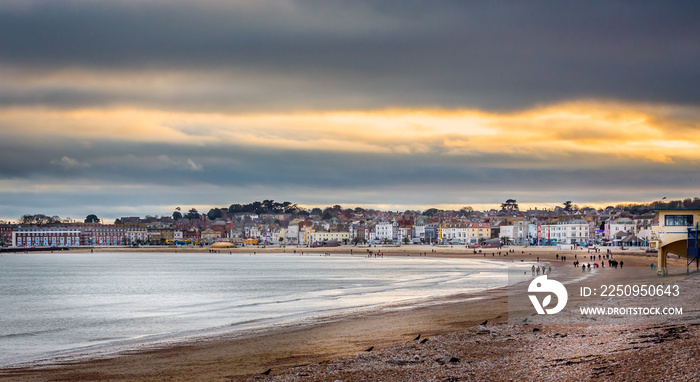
(62, 304)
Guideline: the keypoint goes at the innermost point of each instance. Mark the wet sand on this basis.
(320, 351)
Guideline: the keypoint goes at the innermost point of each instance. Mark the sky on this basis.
(133, 108)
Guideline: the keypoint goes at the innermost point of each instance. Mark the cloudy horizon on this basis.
(134, 108)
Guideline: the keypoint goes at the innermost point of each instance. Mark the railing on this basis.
(692, 247)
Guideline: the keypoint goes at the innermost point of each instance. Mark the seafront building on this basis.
(6, 233)
(572, 232)
(613, 227)
(386, 231)
(463, 233)
(677, 233)
(46, 237)
(453, 233)
(516, 233)
(291, 236)
(111, 235)
(465, 227)
(419, 232)
(478, 232)
(78, 236)
(507, 234)
(431, 233)
(325, 237)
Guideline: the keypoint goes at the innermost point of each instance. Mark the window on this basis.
(679, 220)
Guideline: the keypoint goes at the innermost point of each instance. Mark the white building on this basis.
(292, 234)
(457, 233)
(404, 234)
(507, 234)
(645, 234)
(252, 232)
(384, 231)
(419, 231)
(516, 233)
(622, 225)
(305, 235)
(572, 232)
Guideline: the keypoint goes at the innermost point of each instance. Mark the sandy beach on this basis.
(457, 347)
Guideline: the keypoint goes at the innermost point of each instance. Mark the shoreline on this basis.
(237, 331)
(281, 348)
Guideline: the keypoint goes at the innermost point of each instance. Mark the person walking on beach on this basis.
(621, 264)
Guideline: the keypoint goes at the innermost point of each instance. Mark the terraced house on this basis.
(46, 237)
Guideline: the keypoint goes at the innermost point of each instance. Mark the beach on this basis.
(336, 349)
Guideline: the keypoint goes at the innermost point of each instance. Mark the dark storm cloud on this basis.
(230, 166)
(360, 54)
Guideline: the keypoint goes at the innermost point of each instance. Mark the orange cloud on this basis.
(633, 131)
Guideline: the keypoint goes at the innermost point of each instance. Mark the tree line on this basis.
(269, 206)
(644, 208)
(41, 219)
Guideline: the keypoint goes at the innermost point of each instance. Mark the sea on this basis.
(67, 306)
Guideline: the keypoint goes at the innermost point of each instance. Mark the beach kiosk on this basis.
(678, 234)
